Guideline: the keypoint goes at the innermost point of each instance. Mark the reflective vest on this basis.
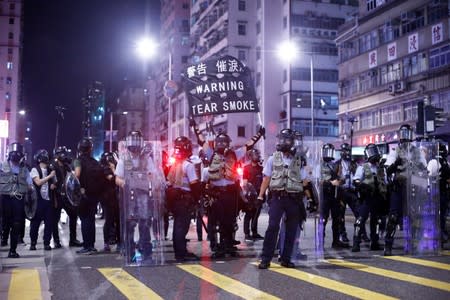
(286, 179)
(176, 175)
(223, 167)
(13, 184)
(326, 171)
(369, 178)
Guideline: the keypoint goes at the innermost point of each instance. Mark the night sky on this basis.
(66, 46)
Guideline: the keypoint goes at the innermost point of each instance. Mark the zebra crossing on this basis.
(25, 283)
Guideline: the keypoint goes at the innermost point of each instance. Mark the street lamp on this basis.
(287, 52)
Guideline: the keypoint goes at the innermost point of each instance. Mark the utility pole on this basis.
(59, 118)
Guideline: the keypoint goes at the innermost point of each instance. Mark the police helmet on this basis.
(85, 146)
(203, 157)
(372, 153)
(108, 157)
(328, 152)
(134, 141)
(182, 147)
(346, 151)
(254, 155)
(62, 154)
(405, 133)
(221, 143)
(15, 152)
(42, 156)
(285, 140)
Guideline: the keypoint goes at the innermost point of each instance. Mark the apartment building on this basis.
(392, 55)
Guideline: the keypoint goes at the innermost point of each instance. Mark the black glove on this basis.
(311, 205)
(192, 122)
(262, 131)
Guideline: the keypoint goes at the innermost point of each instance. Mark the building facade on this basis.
(285, 89)
(11, 102)
(392, 55)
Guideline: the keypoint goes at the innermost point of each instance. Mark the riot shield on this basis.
(312, 155)
(142, 205)
(421, 210)
(72, 189)
(30, 203)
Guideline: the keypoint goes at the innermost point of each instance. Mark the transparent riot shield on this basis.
(313, 244)
(142, 206)
(421, 210)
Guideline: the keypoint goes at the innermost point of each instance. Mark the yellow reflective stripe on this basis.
(25, 284)
(330, 284)
(422, 262)
(226, 283)
(128, 285)
(392, 274)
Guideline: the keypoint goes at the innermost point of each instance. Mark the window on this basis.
(284, 75)
(242, 28)
(319, 74)
(258, 79)
(185, 6)
(437, 10)
(414, 64)
(412, 20)
(368, 41)
(241, 131)
(9, 65)
(410, 111)
(8, 80)
(10, 51)
(11, 21)
(12, 6)
(440, 57)
(7, 96)
(241, 5)
(258, 27)
(242, 55)
(284, 22)
(393, 72)
(258, 53)
(10, 35)
(371, 4)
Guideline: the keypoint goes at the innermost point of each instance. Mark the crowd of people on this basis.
(138, 191)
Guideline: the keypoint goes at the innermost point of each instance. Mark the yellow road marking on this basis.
(128, 285)
(422, 262)
(330, 284)
(25, 284)
(392, 274)
(226, 283)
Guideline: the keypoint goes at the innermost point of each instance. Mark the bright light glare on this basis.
(287, 51)
(22, 112)
(146, 48)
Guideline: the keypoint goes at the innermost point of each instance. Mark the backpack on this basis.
(92, 177)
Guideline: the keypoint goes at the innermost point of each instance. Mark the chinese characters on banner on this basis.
(373, 59)
(437, 35)
(219, 86)
(413, 43)
(391, 51)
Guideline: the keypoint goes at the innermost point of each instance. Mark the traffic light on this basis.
(434, 118)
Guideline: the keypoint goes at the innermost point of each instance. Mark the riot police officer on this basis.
(42, 180)
(183, 194)
(330, 202)
(345, 169)
(253, 175)
(370, 180)
(223, 181)
(110, 203)
(405, 156)
(61, 163)
(134, 173)
(282, 175)
(15, 182)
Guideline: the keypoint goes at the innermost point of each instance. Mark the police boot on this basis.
(337, 244)
(387, 249)
(343, 237)
(390, 232)
(357, 236)
(364, 236)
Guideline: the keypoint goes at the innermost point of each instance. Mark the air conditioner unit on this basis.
(400, 86)
(391, 89)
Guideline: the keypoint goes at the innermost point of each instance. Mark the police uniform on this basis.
(180, 177)
(371, 181)
(15, 183)
(253, 173)
(286, 186)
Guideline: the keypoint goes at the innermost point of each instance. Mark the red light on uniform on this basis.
(240, 171)
(172, 160)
